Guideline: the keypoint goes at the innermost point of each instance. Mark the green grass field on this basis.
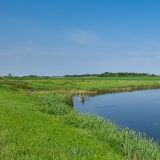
(38, 122)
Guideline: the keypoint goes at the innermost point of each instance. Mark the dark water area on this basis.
(138, 110)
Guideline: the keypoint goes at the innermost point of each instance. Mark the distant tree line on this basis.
(83, 75)
(105, 74)
(124, 74)
(25, 76)
(111, 74)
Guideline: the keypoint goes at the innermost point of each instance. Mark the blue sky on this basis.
(57, 37)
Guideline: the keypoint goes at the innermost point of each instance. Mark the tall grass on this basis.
(55, 104)
(133, 146)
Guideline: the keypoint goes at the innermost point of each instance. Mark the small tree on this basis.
(10, 75)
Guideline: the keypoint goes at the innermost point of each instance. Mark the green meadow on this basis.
(38, 121)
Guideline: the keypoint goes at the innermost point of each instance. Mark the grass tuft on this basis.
(55, 104)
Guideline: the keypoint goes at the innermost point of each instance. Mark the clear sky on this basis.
(57, 37)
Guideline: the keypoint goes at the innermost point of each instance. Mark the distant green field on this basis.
(38, 122)
(86, 84)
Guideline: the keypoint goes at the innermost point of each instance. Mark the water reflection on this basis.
(82, 98)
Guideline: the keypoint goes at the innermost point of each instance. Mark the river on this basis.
(138, 110)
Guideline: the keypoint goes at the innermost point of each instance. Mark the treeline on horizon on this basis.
(105, 74)
(111, 74)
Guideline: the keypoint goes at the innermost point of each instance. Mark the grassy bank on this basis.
(37, 121)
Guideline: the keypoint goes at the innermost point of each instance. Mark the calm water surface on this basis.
(138, 110)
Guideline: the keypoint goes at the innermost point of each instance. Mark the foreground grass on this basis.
(27, 133)
(41, 125)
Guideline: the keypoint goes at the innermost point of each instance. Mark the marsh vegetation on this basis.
(37, 121)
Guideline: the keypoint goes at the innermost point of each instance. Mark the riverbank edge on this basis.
(125, 141)
(114, 90)
(128, 134)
